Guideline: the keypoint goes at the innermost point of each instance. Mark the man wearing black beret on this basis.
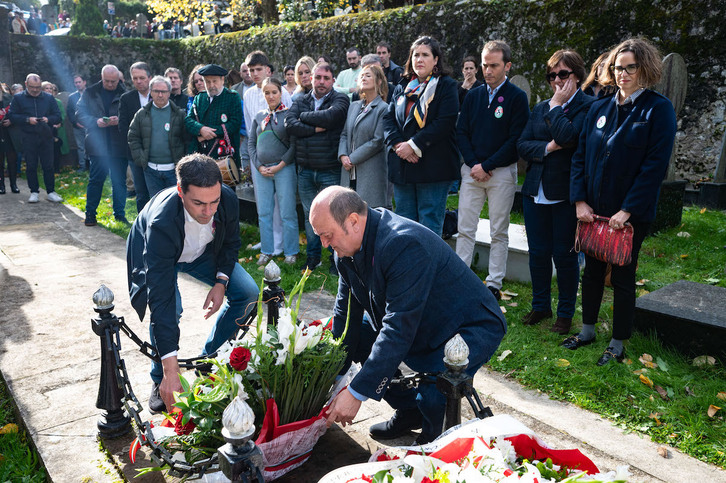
(213, 112)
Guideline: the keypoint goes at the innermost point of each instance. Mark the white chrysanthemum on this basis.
(508, 452)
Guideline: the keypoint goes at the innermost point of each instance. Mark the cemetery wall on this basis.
(534, 29)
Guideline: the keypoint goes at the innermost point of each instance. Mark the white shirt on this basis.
(143, 99)
(196, 238)
(254, 102)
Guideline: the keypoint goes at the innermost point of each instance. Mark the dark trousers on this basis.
(623, 282)
(142, 191)
(39, 150)
(551, 236)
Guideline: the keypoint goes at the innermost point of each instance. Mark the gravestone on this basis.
(713, 194)
(687, 315)
(673, 85)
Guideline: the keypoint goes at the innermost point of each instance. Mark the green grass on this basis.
(19, 462)
(614, 392)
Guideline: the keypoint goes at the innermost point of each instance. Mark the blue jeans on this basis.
(142, 192)
(283, 184)
(551, 236)
(100, 167)
(158, 180)
(241, 295)
(423, 202)
(310, 182)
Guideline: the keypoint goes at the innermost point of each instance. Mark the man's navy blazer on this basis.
(419, 294)
(154, 245)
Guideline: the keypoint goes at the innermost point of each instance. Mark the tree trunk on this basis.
(270, 15)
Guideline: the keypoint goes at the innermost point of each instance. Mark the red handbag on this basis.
(600, 241)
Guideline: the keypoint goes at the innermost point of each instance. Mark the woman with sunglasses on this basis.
(547, 144)
(621, 160)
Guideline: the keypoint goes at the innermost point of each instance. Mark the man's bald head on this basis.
(338, 216)
(339, 202)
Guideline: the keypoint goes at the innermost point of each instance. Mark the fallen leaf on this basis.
(655, 416)
(712, 410)
(640, 371)
(689, 392)
(663, 451)
(703, 210)
(647, 361)
(661, 364)
(646, 357)
(504, 309)
(504, 296)
(513, 304)
(642, 291)
(642, 281)
(9, 428)
(683, 234)
(504, 355)
(662, 392)
(644, 379)
(628, 362)
(685, 255)
(510, 293)
(712, 281)
(562, 363)
(704, 361)
(721, 396)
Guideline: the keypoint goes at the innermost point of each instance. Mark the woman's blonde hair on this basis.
(380, 77)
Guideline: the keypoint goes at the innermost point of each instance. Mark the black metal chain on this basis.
(160, 455)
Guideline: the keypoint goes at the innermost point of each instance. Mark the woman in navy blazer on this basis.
(420, 129)
(547, 144)
(617, 171)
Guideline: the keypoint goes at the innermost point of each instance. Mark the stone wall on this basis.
(534, 29)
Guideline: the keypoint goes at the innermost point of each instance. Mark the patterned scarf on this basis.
(423, 92)
(271, 115)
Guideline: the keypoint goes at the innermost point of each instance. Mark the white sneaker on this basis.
(291, 259)
(54, 197)
(264, 259)
(33, 198)
(258, 246)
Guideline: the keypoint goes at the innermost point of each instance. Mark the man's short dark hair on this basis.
(174, 70)
(343, 202)
(140, 66)
(79, 75)
(257, 58)
(197, 170)
(499, 46)
(353, 49)
(384, 44)
(323, 66)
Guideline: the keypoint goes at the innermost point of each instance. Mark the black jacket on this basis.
(317, 150)
(105, 141)
(24, 106)
(545, 124)
(129, 105)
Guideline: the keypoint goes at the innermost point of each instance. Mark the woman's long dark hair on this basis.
(439, 69)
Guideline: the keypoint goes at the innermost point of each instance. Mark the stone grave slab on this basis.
(687, 315)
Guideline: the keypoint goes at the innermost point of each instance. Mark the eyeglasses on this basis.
(157, 91)
(563, 74)
(630, 68)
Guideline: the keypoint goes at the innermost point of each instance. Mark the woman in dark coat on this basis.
(621, 160)
(547, 144)
(7, 149)
(419, 129)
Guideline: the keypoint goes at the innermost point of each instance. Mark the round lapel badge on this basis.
(601, 122)
(167, 127)
(500, 99)
(224, 117)
(498, 112)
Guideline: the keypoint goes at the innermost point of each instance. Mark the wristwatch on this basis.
(223, 281)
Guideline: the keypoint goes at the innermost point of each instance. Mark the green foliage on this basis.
(128, 10)
(87, 19)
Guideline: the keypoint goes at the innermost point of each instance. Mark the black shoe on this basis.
(90, 221)
(562, 326)
(2, 186)
(332, 270)
(14, 188)
(610, 354)
(122, 220)
(311, 264)
(496, 292)
(423, 439)
(401, 423)
(573, 342)
(534, 317)
(131, 194)
(156, 404)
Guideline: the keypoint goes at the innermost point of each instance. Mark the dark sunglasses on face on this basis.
(630, 68)
(563, 74)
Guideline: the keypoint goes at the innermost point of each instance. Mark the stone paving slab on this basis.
(50, 265)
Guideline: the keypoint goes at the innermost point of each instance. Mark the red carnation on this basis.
(182, 429)
(239, 358)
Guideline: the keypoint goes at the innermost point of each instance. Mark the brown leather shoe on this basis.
(562, 326)
(534, 317)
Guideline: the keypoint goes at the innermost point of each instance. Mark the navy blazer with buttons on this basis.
(621, 168)
(418, 294)
(436, 140)
(558, 124)
(154, 245)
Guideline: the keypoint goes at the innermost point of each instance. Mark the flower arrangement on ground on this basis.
(285, 372)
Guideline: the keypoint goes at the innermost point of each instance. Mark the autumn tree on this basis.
(87, 19)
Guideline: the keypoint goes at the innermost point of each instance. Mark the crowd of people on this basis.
(600, 146)
(36, 23)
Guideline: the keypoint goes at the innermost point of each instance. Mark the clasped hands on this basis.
(405, 151)
(206, 133)
(585, 213)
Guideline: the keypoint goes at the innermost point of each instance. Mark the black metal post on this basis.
(114, 422)
(273, 295)
(241, 463)
(455, 384)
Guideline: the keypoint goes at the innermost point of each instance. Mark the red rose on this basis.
(182, 429)
(239, 358)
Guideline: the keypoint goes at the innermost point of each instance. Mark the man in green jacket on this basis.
(216, 115)
(156, 137)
